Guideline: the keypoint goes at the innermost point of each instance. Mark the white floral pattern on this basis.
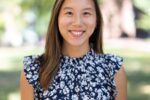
(90, 77)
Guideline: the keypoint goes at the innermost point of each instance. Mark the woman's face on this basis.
(77, 22)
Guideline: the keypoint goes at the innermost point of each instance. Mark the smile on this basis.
(76, 33)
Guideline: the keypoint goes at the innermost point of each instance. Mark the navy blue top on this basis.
(90, 77)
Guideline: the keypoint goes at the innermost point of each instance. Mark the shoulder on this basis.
(111, 62)
(31, 69)
(31, 59)
(31, 63)
(112, 58)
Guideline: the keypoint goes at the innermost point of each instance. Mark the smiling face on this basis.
(77, 22)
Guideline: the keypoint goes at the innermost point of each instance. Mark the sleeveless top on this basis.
(90, 77)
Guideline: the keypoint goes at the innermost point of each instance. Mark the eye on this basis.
(69, 13)
(86, 13)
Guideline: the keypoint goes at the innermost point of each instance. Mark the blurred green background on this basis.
(23, 24)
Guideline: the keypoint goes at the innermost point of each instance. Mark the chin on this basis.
(77, 43)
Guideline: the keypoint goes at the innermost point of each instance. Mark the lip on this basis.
(76, 33)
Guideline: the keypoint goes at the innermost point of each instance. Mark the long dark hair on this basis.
(53, 46)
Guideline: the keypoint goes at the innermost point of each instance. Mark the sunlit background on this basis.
(23, 25)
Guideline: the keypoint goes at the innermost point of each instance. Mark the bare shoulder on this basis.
(26, 90)
(121, 84)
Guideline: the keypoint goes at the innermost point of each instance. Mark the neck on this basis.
(75, 51)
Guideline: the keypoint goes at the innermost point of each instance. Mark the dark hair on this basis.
(53, 46)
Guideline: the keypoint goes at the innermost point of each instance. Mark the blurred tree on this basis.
(39, 12)
(40, 6)
(118, 18)
(126, 17)
(10, 15)
(42, 10)
(142, 10)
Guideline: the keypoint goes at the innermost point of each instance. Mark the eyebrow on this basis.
(88, 8)
(65, 8)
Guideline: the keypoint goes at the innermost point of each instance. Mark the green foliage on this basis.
(42, 24)
(39, 6)
(42, 9)
(142, 4)
(2, 28)
(143, 22)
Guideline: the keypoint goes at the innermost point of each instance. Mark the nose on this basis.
(77, 20)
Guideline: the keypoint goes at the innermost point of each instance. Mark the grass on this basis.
(9, 83)
(136, 63)
(11, 65)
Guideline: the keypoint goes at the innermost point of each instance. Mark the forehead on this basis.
(78, 4)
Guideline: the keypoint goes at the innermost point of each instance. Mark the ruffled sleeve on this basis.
(114, 63)
(31, 69)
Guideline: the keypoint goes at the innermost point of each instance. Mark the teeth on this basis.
(77, 33)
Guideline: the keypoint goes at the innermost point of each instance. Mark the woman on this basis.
(73, 66)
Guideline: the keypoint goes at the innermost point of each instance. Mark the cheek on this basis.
(63, 22)
(91, 24)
